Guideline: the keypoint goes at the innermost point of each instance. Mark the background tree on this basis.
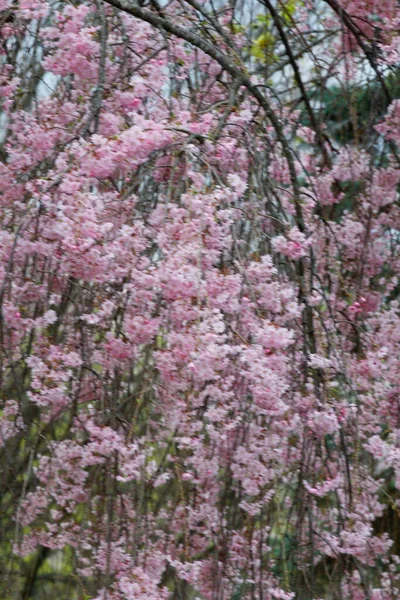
(199, 326)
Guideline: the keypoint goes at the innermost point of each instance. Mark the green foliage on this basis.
(351, 113)
(263, 46)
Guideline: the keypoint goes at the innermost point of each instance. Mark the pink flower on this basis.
(293, 246)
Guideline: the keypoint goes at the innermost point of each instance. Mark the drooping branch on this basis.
(299, 80)
(238, 73)
(358, 34)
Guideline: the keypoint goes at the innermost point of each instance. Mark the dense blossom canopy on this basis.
(200, 325)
